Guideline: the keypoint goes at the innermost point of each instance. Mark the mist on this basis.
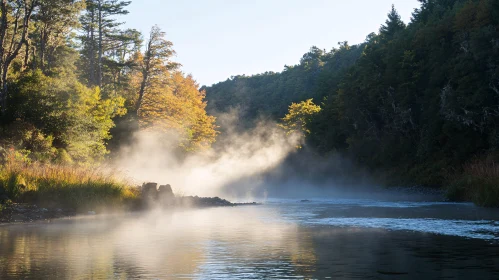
(238, 156)
(250, 163)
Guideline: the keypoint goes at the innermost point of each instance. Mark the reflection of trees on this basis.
(183, 243)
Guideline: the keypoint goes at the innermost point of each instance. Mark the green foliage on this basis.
(104, 44)
(423, 96)
(413, 101)
(54, 113)
(62, 89)
(299, 116)
(269, 94)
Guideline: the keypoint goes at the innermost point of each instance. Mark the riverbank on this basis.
(38, 192)
(28, 213)
(49, 186)
(476, 181)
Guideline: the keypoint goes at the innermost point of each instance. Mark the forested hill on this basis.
(420, 99)
(269, 94)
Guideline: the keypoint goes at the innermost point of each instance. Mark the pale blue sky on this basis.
(216, 39)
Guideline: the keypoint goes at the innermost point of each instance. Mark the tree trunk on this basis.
(99, 66)
(142, 91)
(91, 51)
(3, 74)
(145, 75)
(27, 46)
(7, 56)
(43, 39)
(3, 83)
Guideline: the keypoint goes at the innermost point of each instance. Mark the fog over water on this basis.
(239, 155)
(283, 239)
(321, 218)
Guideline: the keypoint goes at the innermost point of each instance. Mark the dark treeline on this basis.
(70, 71)
(270, 94)
(416, 102)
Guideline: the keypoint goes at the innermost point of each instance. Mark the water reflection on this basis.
(193, 243)
(276, 241)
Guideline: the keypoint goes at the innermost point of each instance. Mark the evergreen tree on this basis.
(100, 26)
(54, 22)
(392, 25)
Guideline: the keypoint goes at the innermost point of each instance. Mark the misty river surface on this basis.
(282, 239)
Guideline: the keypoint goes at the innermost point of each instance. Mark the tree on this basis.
(76, 118)
(121, 62)
(53, 23)
(101, 33)
(299, 116)
(269, 94)
(14, 34)
(156, 62)
(392, 25)
(177, 108)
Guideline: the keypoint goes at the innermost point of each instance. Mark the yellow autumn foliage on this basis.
(176, 106)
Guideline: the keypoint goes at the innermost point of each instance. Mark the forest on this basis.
(75, 85)
(416, 103)
(72, 79)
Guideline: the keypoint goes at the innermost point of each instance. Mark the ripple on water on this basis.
(488, 230)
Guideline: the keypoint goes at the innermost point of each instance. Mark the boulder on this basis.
(149, 190)
(165, 190)
(165, 194)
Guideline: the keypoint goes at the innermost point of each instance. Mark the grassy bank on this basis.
(77, 188)
(479, 182)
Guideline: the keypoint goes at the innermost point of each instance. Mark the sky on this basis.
(217, 39)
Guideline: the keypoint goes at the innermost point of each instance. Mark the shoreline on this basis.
(26, 213)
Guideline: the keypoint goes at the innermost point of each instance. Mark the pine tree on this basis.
(53, 23)
(101, 33)
(392, 25)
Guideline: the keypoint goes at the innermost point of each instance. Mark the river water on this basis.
(282, 239)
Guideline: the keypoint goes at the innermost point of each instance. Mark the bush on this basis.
(478, 183)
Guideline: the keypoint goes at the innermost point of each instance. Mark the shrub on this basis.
(478, 183)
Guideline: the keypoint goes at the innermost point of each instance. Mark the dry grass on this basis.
(478, 183)
(483, 169)
(70, 187)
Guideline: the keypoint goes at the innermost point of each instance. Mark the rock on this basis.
(91, 213)
(149, 191)
(165, 195)
(149, 194)
(165, 189)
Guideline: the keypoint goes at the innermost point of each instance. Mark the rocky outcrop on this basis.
(154, 196)
(165, 195)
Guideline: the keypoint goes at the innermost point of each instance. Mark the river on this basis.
(282, 239)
